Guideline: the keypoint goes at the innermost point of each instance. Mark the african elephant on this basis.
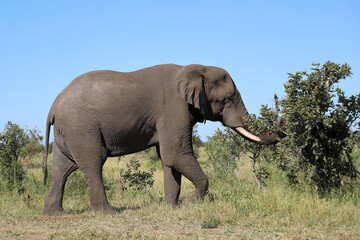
(104, 114)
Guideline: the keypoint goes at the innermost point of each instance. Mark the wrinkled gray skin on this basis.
(104, 114)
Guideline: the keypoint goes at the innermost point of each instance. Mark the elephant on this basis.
(105, 113)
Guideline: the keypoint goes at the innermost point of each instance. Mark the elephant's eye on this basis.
(228, 99)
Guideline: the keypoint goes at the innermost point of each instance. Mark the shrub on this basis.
(222, 152)
(132, 179)
(17, 145)
(318, 118)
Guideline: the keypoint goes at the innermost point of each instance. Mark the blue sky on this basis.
(46, 44)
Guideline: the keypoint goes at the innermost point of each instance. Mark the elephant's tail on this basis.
(49, 122)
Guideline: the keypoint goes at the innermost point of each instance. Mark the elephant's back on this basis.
(108, 81)
(88, 81)
(106, 92)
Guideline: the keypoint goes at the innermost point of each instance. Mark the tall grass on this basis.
(234, 206)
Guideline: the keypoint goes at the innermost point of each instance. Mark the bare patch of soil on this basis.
(84, 226)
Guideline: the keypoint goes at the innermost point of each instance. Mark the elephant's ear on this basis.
(190, 85)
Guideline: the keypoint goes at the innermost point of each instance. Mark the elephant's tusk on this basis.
(247, 134)
(268, 140)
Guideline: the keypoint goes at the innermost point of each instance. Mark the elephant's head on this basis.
(212, 91)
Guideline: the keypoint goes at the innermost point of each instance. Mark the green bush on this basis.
(17, 146)
(223, 152)
(318, 118)
(132, 179)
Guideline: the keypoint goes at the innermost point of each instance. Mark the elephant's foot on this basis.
(48, 211)
(53, 207)
(193, 199)
(104, 208)
(196, 197)
(171, 202)
(172, 199)
(201, 190)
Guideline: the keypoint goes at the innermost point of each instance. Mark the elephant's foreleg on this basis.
(184, 163)
(62, 167)
(172, 185)
(191, 169)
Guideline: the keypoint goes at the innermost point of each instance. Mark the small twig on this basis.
(238, 175)
(277, 109)
(254, 173)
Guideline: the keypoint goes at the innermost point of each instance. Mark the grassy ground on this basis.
(234, 209)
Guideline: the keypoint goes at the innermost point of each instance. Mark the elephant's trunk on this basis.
(259, 139)
(238, 117)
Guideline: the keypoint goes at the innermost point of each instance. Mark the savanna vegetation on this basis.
(305, 187)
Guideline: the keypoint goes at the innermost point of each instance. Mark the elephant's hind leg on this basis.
(98, 199)
(90, 161)
(62, 167)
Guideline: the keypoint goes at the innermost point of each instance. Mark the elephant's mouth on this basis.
(259, 139)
